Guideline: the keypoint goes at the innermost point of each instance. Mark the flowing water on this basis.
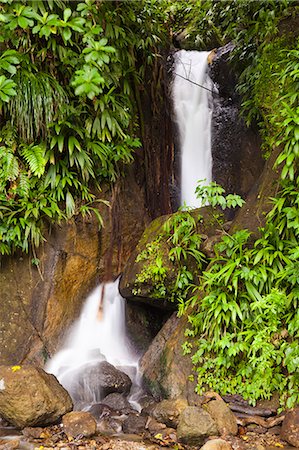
(98, 335)
(192, 99)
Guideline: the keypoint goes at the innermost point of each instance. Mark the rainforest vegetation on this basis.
(69, 78)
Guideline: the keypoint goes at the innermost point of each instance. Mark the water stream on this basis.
(98, 335)
(193, 108)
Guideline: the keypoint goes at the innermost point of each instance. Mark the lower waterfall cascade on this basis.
(193, 106)
(98, 335)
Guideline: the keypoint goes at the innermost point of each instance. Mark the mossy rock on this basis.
(135, 287)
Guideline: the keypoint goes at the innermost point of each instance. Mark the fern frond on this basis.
(34, 156)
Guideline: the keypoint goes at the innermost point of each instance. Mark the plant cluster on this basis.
(68, 73)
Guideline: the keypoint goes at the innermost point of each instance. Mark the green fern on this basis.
(34, 156)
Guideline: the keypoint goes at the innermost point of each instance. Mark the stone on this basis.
(79, 423)
(134, 424)
(168, 411)
(225, 420)
(216, 444)
(109, 425)
(104, 379)
(195, 426)
(31, 397)
(145, 291)
(164, 368)
(99, 410)
(116, 401)
(154, 427)
(290, 427)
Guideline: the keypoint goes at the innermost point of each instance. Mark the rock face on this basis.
(290, 427)
(195, 426)
(36, 309)
(78, 423)
(31, 397)
(237, 159)
(164, 367)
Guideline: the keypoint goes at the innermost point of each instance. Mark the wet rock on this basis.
(135, 424)
(109, 426)
(168, 411)
(225, 420)
(290, 427)
(216, 444)
(79, 423)
(116, 401)
(30, 397)
(195, 426)
(99, 410)
(104, 379)
(145, 291)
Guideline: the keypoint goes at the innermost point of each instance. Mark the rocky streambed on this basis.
(37, 413)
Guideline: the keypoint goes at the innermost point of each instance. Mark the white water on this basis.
(92, 340)
(193, 110)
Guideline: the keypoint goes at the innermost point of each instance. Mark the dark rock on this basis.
(143, 322)
(79, 423)
(135, 424)
(237, 158)
(31, 397)
(290, 427)
(195, 426)
(116, 401)
(225, 420)
(101, 379)
(99, 410)
(168, 411)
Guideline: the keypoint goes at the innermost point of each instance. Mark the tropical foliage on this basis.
(243, 309)
(68, 73)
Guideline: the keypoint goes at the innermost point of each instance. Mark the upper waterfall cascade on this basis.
(193, 107)
(94, 339)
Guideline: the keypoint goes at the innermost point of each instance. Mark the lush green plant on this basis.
(68, 72)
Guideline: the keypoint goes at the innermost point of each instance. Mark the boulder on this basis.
(109, 425)
(79, 423)
(31, 397)
(225, 420)
(102, 379)
(134, 424)
(145, 290)
(290, 427)
(99, 410)
(216, 444)
(195, 426)
(116, 401)
(168, 411)
(164, 368)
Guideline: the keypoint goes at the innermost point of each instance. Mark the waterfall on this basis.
(93, 339)
(193, 111)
